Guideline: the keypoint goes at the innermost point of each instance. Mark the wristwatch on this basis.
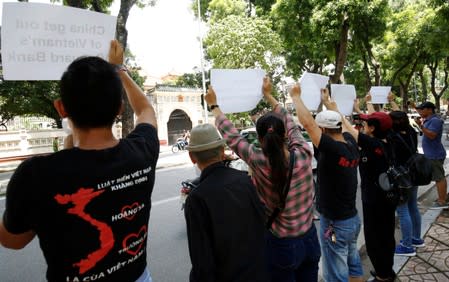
(213, 107)
(121, 67)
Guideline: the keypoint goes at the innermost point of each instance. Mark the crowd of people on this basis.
(89, 204)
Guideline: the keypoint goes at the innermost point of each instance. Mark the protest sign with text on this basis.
(39, 40)
(379, 94)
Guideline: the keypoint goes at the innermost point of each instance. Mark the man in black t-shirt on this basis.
(89, 205)
(225, 219)
(337, 181)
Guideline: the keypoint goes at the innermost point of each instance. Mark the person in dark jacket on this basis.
(224, 217)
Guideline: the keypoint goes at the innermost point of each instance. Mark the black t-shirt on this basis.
(225, 227)
(337, 177)
(89, 208)
(373, 162)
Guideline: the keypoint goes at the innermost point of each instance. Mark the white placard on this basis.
(237, 90)
(379, 94)
(344, 95)
(40, 40)
(311, 85)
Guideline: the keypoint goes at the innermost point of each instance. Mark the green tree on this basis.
(316, 33)
(244, 42)
(28, 98)
(193, 80)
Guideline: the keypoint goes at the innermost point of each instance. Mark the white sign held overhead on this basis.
(40, 40)
(311, 85)
(344, 95)
(237, 90)
(379, 94)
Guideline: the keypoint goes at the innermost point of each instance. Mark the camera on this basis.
(400, 176)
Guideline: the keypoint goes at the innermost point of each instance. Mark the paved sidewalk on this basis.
(431, 262)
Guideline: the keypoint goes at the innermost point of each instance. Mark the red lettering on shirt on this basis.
(347, 163)
(80, 200)
(378, 151)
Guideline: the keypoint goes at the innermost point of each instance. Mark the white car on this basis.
(251, 135)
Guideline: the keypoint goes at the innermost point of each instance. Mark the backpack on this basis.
(396, 181)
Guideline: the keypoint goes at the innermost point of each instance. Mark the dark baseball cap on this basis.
(384, 119)
(428, 105)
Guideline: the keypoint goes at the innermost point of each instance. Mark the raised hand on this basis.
(115, 53)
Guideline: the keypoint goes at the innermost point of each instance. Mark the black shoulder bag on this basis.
(419, 167)
(396, 180)
(285, 190)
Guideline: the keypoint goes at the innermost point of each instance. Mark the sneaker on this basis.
(437, 206)
(402, 250)
(418, 243)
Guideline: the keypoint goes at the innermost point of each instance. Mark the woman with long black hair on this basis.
(293, 250)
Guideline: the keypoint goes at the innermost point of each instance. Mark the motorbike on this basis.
(180, 145)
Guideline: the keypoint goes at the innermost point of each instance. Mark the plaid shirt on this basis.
(296, 218)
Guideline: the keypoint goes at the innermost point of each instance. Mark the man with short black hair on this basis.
(90, 205)
(337, 160)
(432, 129)
(225, 219)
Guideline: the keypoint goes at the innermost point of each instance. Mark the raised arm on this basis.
(304, 116)
(369, 105)
(393, 104)
(138, 100)
(331, 105)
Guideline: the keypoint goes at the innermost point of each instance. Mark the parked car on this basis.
(251, 135)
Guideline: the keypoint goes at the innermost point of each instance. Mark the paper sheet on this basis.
(379, 94)
(311, 85)
(237, 90)
(40, 40)
(344, 95)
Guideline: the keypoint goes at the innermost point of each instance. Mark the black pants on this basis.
(378, 227)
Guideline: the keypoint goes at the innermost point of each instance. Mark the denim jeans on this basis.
(341, 259)
(410, 218)
(293, 259)
(145, 277)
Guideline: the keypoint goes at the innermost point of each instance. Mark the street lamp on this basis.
(206, 119)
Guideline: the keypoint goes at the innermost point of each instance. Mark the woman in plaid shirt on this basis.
(293, 249)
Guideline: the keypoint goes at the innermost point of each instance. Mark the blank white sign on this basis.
(237, 90)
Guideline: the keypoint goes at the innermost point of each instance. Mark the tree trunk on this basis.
(367, 75)
(433, 87)
(341, 50)
(122, 37)
(422, 79)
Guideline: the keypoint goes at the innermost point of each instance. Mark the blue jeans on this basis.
(293, 259)
(341, 259)
(145, 277)
(410, 218)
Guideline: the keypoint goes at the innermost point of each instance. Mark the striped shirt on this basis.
(296, 218)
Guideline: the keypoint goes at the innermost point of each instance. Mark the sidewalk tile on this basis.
(431, 246)
(439, 277)
(416, 265)
(438, 259)
(439, 233)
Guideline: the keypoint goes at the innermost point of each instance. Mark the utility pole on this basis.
(206, 119)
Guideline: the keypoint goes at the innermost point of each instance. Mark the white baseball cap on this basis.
(328, 119)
